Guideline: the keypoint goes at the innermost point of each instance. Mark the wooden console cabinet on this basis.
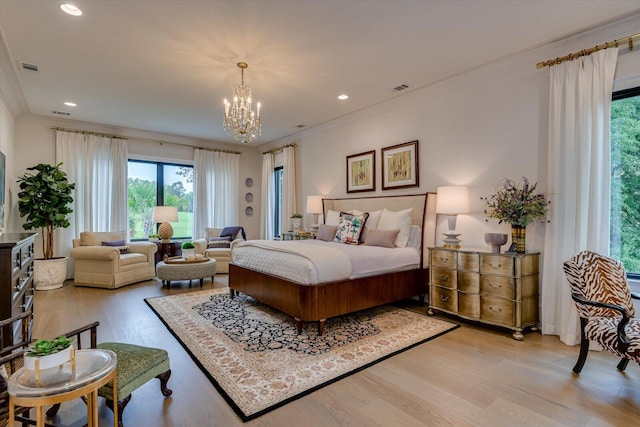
(16, 280)
(497, 289)
(169, 249)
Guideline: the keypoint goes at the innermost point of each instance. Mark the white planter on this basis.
(296, 224)
(188, 252)
(49, 273)
(48, 361)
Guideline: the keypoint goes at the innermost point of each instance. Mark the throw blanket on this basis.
(330, 263)
(233, 232)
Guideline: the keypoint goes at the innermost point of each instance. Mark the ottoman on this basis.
(185, 271)
(136, 365)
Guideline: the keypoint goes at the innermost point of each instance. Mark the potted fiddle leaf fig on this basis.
(45, 199)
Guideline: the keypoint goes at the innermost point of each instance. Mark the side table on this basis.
(93, 369)
(169, 249)
(295, 235)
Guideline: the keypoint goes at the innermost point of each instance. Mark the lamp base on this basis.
(165, 232)
(451, 241)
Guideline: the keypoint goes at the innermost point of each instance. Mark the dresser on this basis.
(16, 280)
(496, 289)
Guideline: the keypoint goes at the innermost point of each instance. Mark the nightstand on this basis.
(497, 289)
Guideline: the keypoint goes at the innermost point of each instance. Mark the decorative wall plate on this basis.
(248, 211)
(248, 197)
(248, 182)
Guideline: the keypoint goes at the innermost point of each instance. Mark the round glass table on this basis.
(90, 370)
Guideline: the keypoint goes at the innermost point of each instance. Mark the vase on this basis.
(296, 224)
(519, 238)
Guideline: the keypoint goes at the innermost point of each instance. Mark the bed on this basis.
(316, 302)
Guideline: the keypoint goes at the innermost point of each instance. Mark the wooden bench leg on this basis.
(121, 405)
(164, 379)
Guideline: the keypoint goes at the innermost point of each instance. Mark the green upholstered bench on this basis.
(136, 366)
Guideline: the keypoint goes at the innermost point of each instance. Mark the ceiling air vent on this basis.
(400, 88)
(60, 113)
(28, 67)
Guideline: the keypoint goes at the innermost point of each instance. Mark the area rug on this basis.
(254, 357)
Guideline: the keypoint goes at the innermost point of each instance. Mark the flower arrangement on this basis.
(516, 203)
(188, 245)
(296, 215)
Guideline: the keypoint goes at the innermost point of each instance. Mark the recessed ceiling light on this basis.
(70, 9)
(70, 104)
(343, 97)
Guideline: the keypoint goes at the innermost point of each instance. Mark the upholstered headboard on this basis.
(423, 214)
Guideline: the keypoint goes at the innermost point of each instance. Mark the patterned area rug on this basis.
(257, 361)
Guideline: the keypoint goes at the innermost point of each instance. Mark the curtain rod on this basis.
(275, 150)
(109, 135)
(587, 52)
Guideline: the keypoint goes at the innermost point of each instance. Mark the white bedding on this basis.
(315, 261)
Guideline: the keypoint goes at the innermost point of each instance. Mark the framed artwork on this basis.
(400, 166)
(361, 172)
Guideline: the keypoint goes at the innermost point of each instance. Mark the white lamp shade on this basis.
(452, 200)
(314, 204)
(165, 214)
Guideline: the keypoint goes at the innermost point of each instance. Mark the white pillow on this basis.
(371, 224)
(333, 217)
(415, 237)
(397, 220)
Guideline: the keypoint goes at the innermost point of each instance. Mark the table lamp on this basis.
(164, 215)
(314, 206)
(452, 200)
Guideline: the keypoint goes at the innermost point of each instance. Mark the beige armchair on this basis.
(105, 266)
(221, 255)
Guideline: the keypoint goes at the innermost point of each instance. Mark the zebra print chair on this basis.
(600, 290)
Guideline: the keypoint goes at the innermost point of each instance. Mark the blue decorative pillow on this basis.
(121, 245)
(114, 243)
(349, 228)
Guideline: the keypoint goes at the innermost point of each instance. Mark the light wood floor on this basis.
(473, 376)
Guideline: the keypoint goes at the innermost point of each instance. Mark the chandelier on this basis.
(239, 118)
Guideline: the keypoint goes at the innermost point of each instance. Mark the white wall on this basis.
(6, 147)
(474, 129)
(35, 143)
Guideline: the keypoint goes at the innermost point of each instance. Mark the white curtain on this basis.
(288, 187)
(268, 198)
(215, 189)
(579, 179)
(98, 167)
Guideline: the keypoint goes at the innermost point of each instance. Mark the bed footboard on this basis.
(316, 303)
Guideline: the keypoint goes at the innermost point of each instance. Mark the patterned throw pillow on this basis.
(219, 242)
(349, 228)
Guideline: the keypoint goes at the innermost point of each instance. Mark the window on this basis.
(159, 184)
(625, 179)
(278, 175)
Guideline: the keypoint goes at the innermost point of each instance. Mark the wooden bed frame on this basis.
(318, 302)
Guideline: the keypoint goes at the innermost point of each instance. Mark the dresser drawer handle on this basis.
(495, 309)
(495, 286)
(444, 277)
(495, 266)
(444, 259)
(444, 298)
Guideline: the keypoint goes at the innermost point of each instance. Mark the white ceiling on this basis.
(166, 66)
